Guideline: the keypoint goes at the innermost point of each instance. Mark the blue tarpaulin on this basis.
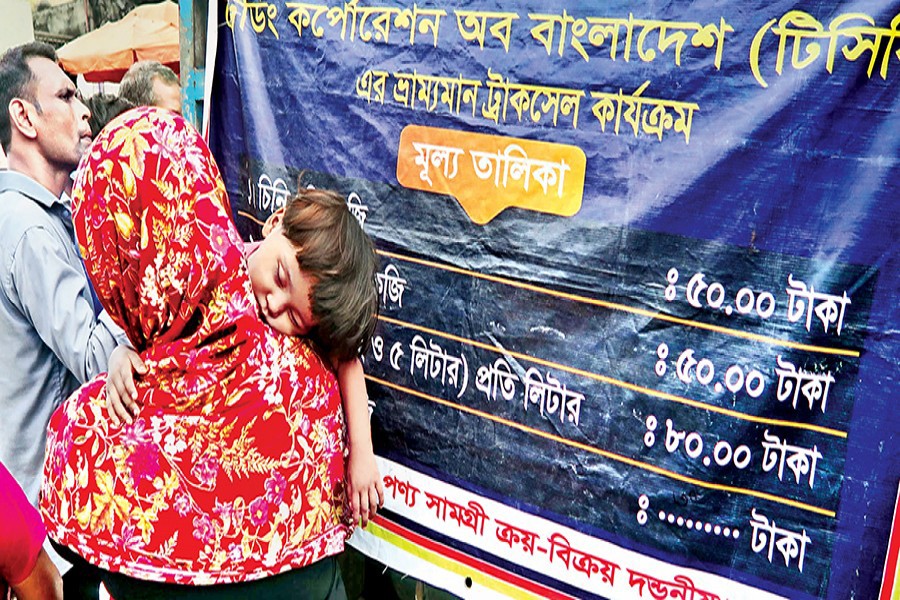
(639, 279)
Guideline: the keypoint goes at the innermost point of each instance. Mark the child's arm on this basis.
(120, 391)
(366, 490)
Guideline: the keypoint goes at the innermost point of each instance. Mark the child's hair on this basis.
(104, 108)
(334, 249)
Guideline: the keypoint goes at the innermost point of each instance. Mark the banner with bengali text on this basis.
(639, 279)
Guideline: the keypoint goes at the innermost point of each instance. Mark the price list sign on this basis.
(638, 280)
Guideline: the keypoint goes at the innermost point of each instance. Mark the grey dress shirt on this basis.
(50, 339)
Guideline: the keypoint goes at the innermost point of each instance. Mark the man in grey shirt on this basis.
(51, 340)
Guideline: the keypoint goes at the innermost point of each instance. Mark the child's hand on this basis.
(121, 395)
(366, 490)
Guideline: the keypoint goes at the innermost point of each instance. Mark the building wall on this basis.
(15, 26)
(67, 20)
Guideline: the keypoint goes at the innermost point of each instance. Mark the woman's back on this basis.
(233, 470)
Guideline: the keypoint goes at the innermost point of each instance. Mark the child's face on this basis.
(283, 292)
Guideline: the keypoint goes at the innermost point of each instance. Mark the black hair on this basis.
(16, 77)
(104, 108)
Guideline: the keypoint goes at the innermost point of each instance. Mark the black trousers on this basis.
(318, 581)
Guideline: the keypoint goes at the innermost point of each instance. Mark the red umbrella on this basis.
(149, 32)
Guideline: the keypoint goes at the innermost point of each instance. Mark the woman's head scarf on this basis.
(233, 470)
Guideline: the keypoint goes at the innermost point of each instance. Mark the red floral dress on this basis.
(234, 468)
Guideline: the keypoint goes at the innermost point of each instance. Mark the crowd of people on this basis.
(185, 413)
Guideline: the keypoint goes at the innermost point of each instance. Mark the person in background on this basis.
(51, 338)
(104, 108)
(25, 566)
(150, 83)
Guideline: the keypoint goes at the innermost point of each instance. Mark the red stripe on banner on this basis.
(889, 580)
(468, 560)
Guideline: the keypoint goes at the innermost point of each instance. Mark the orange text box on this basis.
(488, 173)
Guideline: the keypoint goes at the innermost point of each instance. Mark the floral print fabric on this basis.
(233, 469)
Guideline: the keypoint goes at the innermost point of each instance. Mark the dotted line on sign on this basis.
(698, 525)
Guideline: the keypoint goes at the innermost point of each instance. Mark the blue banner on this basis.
(638, 279)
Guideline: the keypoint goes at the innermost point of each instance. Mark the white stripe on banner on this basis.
(540, 545)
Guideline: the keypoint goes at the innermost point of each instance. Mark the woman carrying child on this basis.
(231, 476)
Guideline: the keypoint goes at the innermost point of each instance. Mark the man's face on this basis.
(167, 95)
(61, 122)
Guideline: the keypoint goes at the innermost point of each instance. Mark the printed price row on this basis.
(778, 454)
(803, 302)
(793, 383)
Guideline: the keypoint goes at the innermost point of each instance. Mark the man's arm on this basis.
(366, 490)
(51, 292)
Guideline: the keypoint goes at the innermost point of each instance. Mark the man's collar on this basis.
(15, 181)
